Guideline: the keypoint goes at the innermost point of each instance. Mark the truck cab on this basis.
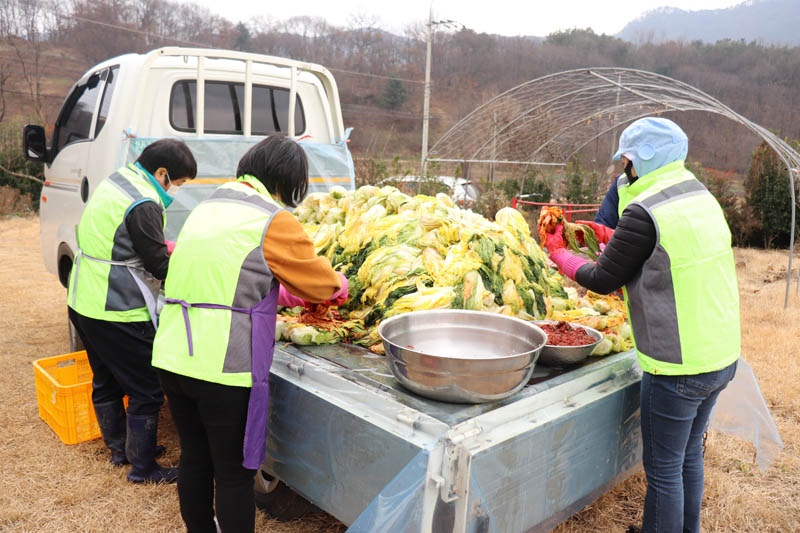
(219, 102)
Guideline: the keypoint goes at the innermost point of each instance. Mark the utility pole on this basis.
(426, 106)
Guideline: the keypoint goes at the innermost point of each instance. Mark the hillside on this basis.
(468, 69)
(771, 22)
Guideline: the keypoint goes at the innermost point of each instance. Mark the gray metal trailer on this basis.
(344, 434)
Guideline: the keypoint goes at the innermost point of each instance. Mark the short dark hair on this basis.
(280, 164)
(171, 154)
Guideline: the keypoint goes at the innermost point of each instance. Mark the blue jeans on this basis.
(675, 412)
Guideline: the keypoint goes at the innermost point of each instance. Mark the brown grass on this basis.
(49, 486)
(13, 202)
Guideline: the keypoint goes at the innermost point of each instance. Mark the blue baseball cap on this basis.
(651, 143)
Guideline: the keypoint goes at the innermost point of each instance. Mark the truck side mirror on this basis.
(34, 143)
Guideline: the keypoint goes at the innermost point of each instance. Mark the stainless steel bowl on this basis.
(553, 355)
(461, 356)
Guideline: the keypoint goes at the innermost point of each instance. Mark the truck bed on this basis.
(347, 436)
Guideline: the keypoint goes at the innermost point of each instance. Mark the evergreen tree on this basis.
(767, 188)
(394, 94)
(244, 41)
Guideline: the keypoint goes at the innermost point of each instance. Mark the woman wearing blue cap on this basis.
(671, 253)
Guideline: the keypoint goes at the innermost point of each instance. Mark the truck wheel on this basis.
(276, 499)
(75, 342)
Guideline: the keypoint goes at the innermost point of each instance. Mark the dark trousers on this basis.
(120, 354)
(675, 411)
(210, 419)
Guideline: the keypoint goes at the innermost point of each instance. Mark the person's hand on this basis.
(339, 297)
(170, 246)
(287, 299)
(554, 241)
(601, 232)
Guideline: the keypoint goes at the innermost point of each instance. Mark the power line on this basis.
(374, 75)
(369, 111)
(18, 69)
(131, 30)
(44, 55)
(377, 116)
(356, 108)
(204, 45)
(383, 120)
(9, 91)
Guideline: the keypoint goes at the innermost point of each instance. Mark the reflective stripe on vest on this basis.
(108, 280)
(684, 303)
(217, 270)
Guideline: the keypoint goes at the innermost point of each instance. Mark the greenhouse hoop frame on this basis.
(546, 121)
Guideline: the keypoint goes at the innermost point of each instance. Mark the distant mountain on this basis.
(764, 21)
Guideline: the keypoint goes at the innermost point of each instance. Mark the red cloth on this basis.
(170, 246)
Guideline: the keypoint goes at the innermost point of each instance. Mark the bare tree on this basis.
(25, 26)
(4, 75)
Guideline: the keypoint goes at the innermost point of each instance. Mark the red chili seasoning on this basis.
(562, 334)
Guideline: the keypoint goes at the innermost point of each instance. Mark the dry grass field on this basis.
(47, 486)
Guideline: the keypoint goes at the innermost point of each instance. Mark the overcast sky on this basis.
(503, 17)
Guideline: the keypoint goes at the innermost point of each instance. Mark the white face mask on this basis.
(167, 186)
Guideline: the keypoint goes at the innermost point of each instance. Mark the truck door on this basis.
(69, 180)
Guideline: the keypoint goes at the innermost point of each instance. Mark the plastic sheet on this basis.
(399, 506)
(404, 506)
(741, 410)
(328, 164)
(513, 483)
(185, 200)
(319, 440)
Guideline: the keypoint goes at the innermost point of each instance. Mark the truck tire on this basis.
(277, 500)
(75, 342)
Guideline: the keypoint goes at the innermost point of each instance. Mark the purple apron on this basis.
(262, 317)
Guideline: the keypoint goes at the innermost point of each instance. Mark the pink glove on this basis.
(339, 297)
(170, 246)
(567, 263)
(286, 299)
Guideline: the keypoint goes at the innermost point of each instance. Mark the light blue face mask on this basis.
(166, 199)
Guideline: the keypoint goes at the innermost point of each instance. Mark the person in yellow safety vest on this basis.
(238, 256)
(113, 288)
(671, 252)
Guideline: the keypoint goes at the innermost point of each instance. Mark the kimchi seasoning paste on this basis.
(562, 334)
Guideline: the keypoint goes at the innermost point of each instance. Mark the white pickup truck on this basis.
(219, 102)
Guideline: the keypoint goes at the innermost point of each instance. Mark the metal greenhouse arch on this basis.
(546, 121)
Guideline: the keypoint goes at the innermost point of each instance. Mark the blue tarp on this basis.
(328, 164)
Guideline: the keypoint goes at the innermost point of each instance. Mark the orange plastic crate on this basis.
(64, 394)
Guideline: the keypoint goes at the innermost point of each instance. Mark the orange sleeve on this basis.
(290, 255)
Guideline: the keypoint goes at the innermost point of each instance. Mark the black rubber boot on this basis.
(140, 448)
(111, 419)
(112, 423)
